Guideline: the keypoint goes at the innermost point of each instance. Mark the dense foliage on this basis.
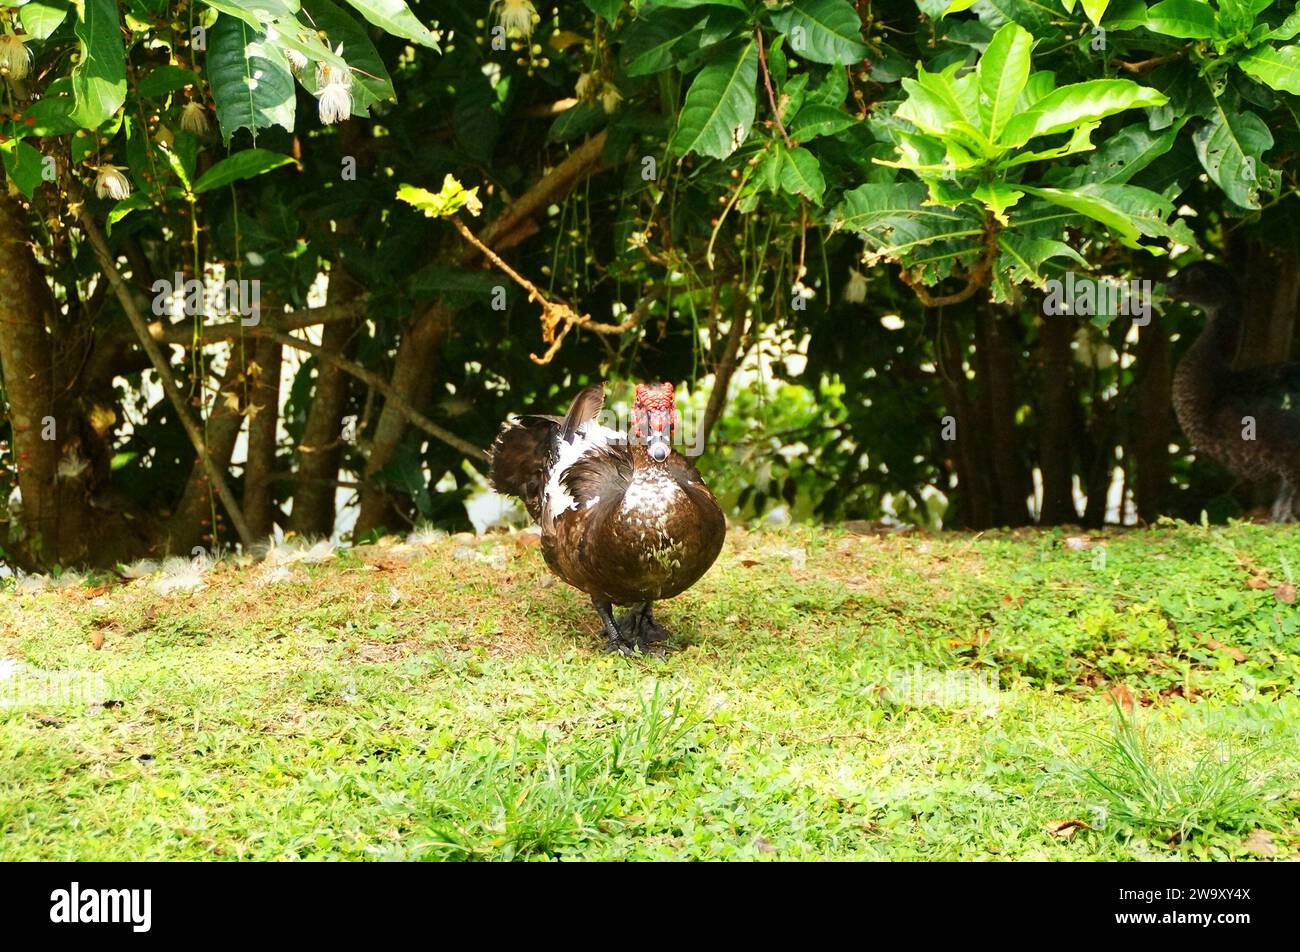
(845, 216)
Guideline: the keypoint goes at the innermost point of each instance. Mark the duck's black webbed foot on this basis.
(639, 628)
(617, 640)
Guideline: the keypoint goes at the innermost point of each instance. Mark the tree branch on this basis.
(183, 334)
(107, 265)
(390, 393)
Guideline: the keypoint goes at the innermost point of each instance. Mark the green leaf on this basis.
(1003, 71)
(132, 203)
(53, 115)
(40, 18)
(1186, 19)
(1095, 9)
(445, 203)
(256, 13)
(801, 174)
(815, 119)
(1231, 145)
(1072, 105)
(997, 197)
(720, 105)
(166, 79)
(935, 101)
(1080, 141)
(893, 219)
(606, 9)
(649, 40)
(1125, 154)
(1278, 68)
(242, 165)
(576, 122)
(824, 31)
(395, 17)
(1022, 257)
(1127, 211)
(250, 79)
(99, 79)
(23, 166)
(1289, 29)
(687, 4)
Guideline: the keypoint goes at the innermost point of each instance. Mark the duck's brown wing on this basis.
(602, 473)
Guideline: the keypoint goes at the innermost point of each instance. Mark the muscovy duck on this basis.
(1216, 404)
(624, 518)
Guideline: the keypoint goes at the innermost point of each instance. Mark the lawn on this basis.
(1035, 694)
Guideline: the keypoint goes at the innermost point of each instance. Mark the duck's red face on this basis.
(654, 417)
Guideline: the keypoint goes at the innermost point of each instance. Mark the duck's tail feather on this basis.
(520, 457)
(586, 407)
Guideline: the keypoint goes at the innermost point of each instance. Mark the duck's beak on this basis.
(658, 447)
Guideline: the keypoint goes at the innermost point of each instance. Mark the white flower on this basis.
(111, 183)
(588, 86)
(71, 465)
(334, 91)
(297, 60)
(515, 16)
(610, 97)
(335, 103)
(855, 292)
(15, 58)
(194, 119)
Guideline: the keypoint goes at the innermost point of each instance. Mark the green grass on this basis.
(831, 696)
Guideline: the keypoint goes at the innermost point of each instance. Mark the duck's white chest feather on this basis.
(649, 498)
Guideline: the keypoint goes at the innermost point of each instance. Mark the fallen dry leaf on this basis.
(1237, 654)
(1285, 593)
(1259, 583)
(749, 563)
(1260, 842)
(1065, 829)
(1122, 696)
(97, 639)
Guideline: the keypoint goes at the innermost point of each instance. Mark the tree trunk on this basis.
(1054, 420)
(321, 449)
(191, 521)
(57, 458)
(995, 380)
(1270, 289)
(412, 377)
(1150, 446)
(974, 498)
(726, 365)
(264, 395)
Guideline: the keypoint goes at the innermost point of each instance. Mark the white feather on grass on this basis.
(182, 575)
